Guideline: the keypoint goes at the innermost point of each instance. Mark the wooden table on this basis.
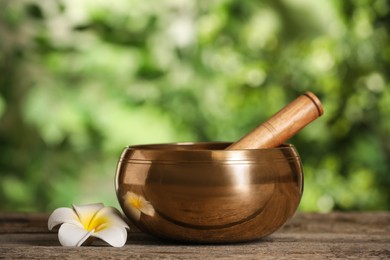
(307, 235)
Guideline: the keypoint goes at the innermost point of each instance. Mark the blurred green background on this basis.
(80, 80)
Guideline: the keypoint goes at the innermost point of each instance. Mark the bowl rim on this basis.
(160, 146)
(199, 152)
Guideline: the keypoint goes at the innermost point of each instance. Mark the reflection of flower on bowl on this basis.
(202, 193)
(137, 205)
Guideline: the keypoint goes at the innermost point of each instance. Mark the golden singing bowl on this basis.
(199, 192)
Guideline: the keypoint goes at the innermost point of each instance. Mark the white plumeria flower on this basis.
(83, 223)
(137, 205)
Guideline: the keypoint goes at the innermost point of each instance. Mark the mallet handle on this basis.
(282, 125)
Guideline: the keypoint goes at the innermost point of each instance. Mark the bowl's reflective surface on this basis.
(201, 193)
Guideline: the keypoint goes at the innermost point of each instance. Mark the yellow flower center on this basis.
(136, 203)
(94, 223)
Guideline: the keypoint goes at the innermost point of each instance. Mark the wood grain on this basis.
(364, 235)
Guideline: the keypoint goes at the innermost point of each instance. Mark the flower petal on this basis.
(134, 212)
(147, 208)
(130, 197)
(112, 217)
(71, 235)
(62, 215)
(86, 212)
(114, 235)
